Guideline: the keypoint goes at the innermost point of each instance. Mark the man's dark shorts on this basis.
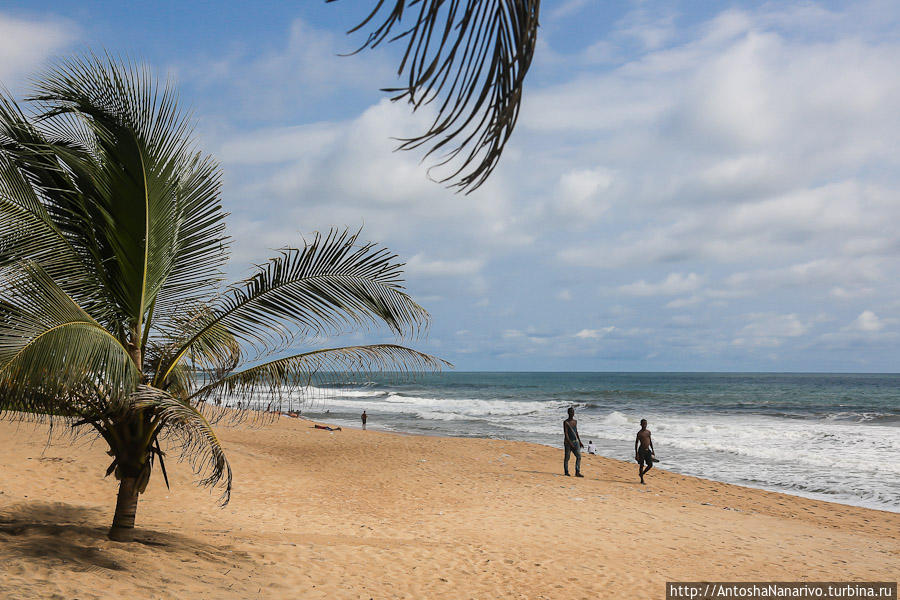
(644, 455)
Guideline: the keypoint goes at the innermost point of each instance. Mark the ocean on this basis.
(826, 436)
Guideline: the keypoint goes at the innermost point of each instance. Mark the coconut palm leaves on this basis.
(52, 351)
(332, 284)
(112, 247)
(470, 58)
(140, 149)
(274, 378)
(194, 434)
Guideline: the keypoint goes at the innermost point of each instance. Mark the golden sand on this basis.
(365, 514)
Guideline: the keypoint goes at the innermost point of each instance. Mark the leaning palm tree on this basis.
(113, 316)
(468, 58)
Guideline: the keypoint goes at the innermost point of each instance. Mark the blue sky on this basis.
(692, 186)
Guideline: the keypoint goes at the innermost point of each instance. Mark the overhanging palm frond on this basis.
(472, 57)
(322, 289)
(51, 349)
(192, 433)
(331, 365)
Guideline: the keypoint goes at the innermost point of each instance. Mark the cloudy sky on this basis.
(712, 189)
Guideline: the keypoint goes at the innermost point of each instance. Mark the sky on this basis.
(691, 186)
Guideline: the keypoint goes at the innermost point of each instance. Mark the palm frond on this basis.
(27, 235)
(266, 385)
(41, 220)
(202, 246)
(192, 433)
(322, 289)
(182, 382)
(52, 351)
(473, 53)
(14, 187)
(152, 201)
(213, 355)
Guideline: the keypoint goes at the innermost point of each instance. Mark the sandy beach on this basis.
(367, 514)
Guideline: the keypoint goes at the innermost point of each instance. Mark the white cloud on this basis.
(273, 146)
(298, 72)
(769, 330)
(594, 334)
(422, 266)
(581, 194)
(810, 274)
(684, 302)
(674, 283)
(843, 293)
(745, 143)
(867, 321)
(867, 330)
(568, 8)
(651, 28)
(25, 44)
(347, 174)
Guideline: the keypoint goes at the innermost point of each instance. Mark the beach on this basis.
(369, 514)
(824, 436)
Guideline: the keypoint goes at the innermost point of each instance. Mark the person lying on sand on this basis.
(327, 428)
(644, 454)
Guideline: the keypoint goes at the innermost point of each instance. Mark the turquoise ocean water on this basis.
(827, 436)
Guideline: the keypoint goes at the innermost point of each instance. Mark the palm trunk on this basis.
(122, 529)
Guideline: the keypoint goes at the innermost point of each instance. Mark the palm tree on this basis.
(472, 57)
(113, 317)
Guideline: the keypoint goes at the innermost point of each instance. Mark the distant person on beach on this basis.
(591, 448)
(326, 427)
(364, 416)
(572, 443)
(643, 450)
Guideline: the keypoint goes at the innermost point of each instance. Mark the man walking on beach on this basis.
(643, 454)
(364, 416)
(572, 443)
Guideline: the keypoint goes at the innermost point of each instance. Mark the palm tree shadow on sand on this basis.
(75, 538)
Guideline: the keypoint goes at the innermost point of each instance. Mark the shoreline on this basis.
(372, 514)
(817, 497)
(830, 439)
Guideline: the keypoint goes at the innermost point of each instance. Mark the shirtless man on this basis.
(572, 443)
(643, 454)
